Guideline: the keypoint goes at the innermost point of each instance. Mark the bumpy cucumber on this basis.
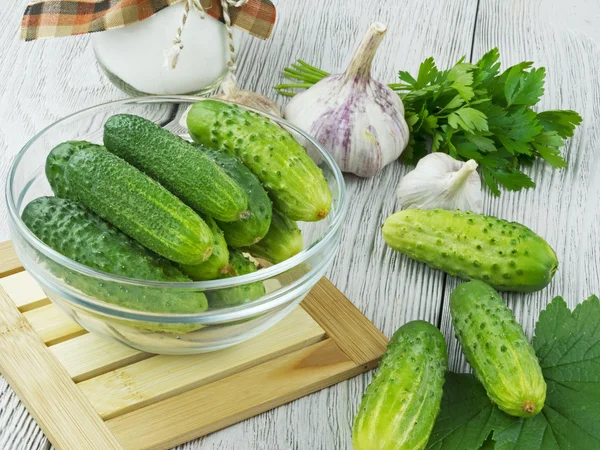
(506, 255)
(136, 204)
(250, 229)
(283, 240)
(56, 162)
(400, 405)
(177, 165)
(218, 260)
(80, 235)
(238, 265)
(497, 349)
(296, 184)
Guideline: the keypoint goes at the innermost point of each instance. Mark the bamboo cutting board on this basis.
(86, 392)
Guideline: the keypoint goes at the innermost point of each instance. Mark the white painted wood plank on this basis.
(49, 79)
(565, 206)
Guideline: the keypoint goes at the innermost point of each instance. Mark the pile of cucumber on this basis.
(149, 205)
(400, 406)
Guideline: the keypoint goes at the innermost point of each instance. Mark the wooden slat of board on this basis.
(24, 291)
(45, 387)
(53, 325)
(152, 380)
(9, 262)
(91, 355)
(235, 398)
(344, 323)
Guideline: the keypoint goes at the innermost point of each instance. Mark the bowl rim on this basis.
(340, 208)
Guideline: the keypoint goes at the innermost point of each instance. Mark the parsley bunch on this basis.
(472, 111)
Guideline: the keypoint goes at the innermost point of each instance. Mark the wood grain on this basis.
(23, 289)
(40, 372)
(48, 79)
(53, 325)
(151, 380)
(223, 402)
(10, 262)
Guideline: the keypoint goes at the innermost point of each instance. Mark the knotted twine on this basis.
(172, 55)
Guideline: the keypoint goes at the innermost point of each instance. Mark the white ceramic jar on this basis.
(133, 57)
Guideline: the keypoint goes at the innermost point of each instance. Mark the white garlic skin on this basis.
(357, 119)
(440, 181)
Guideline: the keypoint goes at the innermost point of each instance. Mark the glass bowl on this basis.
(78, 290)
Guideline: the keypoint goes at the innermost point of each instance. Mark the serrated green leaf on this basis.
(522, 87)
(563, 122)
(427, 72)
(512, 179)
(484, 144)
(407, 78)
(469, 119)
(467, 416)
(551, 155)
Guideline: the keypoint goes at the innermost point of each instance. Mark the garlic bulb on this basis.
(440, 181)
(248, 98)
(357, 119)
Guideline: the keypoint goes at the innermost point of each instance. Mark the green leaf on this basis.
(469, 119)
(484, 144)
(467, 416)
(563, 122)
(524, 88)
(427, 73)
(512, 179)
(551, 155)
(407, 78)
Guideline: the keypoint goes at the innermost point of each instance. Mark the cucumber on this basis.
(177, 165)
(218, 260)
(296, 184)
(56, 163)
(496, 347)
(136, 204)
(82, 236)
(283, 240)
(506, 255)
(239, 295)
(254, 227)
(400, 405)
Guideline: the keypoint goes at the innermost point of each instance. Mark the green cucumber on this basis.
(82, 236)
(400, 405)
(239, 295)
(283, 241)
(296, 184)
(136, 204)
(56, 163)
(498, 350)
(506, 255)
(211, 268)
(177, 165)
(254, 227)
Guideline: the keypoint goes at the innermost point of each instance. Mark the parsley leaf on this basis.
(568, 346)
(474, 111)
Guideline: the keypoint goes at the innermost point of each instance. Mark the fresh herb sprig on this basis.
(474, 111)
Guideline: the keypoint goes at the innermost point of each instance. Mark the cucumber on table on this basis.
(176, 164)
(134, 203)
(239, 295)
(211, 268)
(254, 227)
(283, 240)
(497, 349)
(400, 405)
(82, 236)
(296, 184)
(505, 255)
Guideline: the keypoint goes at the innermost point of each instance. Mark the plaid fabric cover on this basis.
(52, 18)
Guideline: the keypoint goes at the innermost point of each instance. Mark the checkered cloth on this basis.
(52, 18)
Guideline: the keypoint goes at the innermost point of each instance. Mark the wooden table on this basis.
(43, 81)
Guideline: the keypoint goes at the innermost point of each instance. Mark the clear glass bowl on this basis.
(77, 289)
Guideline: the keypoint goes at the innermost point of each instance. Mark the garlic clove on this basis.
(248, 98)
(357, 119)
(440, 181)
